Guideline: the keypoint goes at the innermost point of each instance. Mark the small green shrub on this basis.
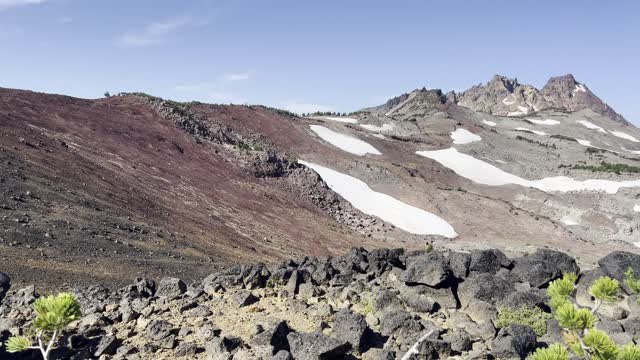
(535, 317)
(631, 281)
(605, 289)
(53, 314)
(553, 352)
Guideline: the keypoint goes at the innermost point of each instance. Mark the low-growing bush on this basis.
(53, 314)
(535, 317)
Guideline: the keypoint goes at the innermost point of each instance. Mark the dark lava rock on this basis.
(488, 261)
(171, 288)
(274, 334)
(158, 329)
(316, 346)
(485, 287)
(106, 346)
(543, 266)
(244, 298)
(351, 327)
(427, 269)
(515, 341)
(5, 284)
(616, 263)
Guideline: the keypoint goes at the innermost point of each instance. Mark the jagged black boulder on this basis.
(543, 266)
(5, 284)
(514, 341)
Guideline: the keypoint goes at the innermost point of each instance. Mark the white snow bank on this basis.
(523, 109)
(374, 128)
(592, 126)
(569, 220)
(636, 208)
(508, 102)
(637, 244)
(344, 142)
(363, 198)
(484, 173)
(631, 151)
(579, 88)
(341, 119)
(490, 123)
(625, 136)
(544, 122)
(462, 136)
(537, 132)
(584, 143)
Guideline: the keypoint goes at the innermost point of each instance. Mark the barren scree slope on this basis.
(133, 185)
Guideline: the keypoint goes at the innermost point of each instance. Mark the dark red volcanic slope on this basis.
(105, 190)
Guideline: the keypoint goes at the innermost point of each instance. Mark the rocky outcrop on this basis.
(507, 97)
(377, 304)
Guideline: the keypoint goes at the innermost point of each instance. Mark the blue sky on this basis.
(337, 55)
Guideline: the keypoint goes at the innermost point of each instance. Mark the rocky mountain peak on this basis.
(503, 96)
(503, 82)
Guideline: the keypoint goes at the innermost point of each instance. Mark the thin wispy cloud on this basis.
(154, 33)
(6, 4)
(238, 77)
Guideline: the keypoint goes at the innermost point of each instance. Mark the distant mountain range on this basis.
(134, 185)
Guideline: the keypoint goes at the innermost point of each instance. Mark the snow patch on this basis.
(344, 142)
(462, 136)
(637, 244)
(398, 213)
(544, 122)
(579, 88)
(537, 132)
(523, 109)
(484, 173)
(490, 123)
(379, 136)
(341, 119)
(569, 220)
(637, 152)
(625, 136)
(515, 113)
(508, 102)
(584, 143)
(636, 208)
(592, 126)
(374, 128)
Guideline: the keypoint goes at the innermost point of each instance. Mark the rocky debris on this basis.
(350, 327)
(616, 263)
(543, 266)
(171, 288)
(306, 309)
(5, 284)
(427, 269)
(316, 346)
(515, 341)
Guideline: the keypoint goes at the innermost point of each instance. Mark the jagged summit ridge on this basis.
(503, 96)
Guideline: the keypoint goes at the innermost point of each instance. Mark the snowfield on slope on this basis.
(484, 173)
(344, 142)
(545, 122)
(462, 136)
(341, 119)
(592, 126)
(537, 132)
(383, 128)
(625, 136)
(389, 209)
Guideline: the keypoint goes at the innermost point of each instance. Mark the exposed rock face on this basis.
(382, 312)
(507, 97)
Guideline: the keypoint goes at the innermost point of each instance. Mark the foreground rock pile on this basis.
(374, 304)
